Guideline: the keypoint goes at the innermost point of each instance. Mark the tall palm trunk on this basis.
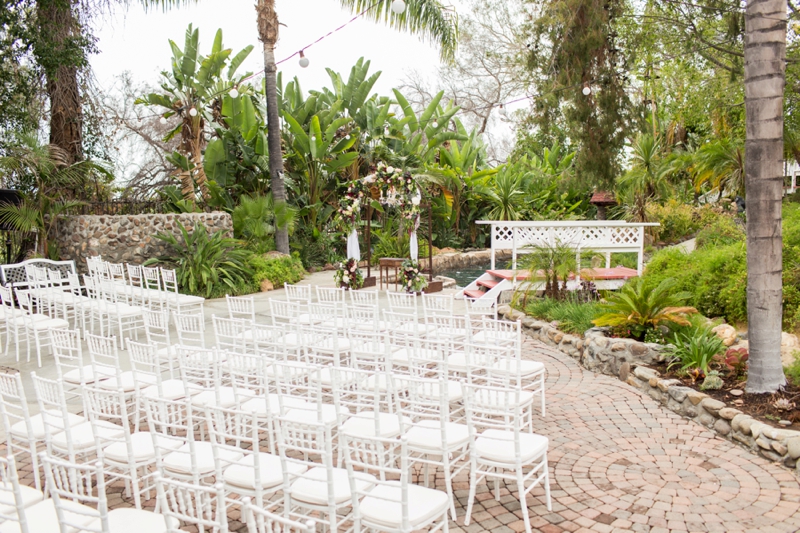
(60, 54)
(764, 80)
(268, 35)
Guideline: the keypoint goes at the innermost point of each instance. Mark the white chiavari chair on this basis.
(37, 326)
(260, 520)
(364, 298)
(233, 334)
(192, 504)
(243, 307)
(177, 302)
(330, 295)
(71, 368)
(191, 329)
(148, 374)
(298, 293)
(15, 496)
(437, 305)
(105, 360)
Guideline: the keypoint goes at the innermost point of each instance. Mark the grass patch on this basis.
(793, 371)
(572, 317)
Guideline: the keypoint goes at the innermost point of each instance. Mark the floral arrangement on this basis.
(397, 189)
(411, 277)
(348, 275)
(350, 204)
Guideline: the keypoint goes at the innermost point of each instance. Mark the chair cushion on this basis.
(171, 389)
(127, 380)
(329, 344)
(53, 323)
(258, 406)
(30, 496)
(42, 517)
(363, 425)
(382, 507)
(313, 487)
(136, 521)
(74, 375)
(37, 424)
(310, 414)
(227, 397)
(142, 444)
(494, 337)
(426, 435)
(498, 446)
(181, 462)
(242, 472)
(526, 368)
(83, 436)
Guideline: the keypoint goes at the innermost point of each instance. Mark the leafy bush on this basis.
(793, 370)
(314, 249)
(640, 306)
(678, 221)
(279, 270)
(205, 264)
(390, 242)
(572, 317)
(715, 277)
(697, 351)
(721, 231)
(255, 218)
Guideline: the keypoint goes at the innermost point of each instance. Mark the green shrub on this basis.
(279, 270)
(678, 221)
(205, 264)
(696, 351)
(721, 231)
(572, 317)
(641, 305)
(793, 370)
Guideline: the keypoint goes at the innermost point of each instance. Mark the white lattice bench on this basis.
(14, 274)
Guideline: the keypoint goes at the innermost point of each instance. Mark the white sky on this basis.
(136, 41)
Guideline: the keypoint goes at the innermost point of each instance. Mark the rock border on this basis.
(625, 358)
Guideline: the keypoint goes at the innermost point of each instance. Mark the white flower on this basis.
(345, 277)
(390, 170)
(416, 200)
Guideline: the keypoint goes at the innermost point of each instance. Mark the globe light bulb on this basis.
(398, 7)
(193, 112)
(163, 120)
(587, 90)
(503, 111)
(234, 93)
(435, 123)
(303, 60)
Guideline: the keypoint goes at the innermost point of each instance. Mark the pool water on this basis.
(465, 276)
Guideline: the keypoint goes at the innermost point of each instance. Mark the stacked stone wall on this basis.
(128, 238)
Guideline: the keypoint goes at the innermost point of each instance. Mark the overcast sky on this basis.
(136, 41)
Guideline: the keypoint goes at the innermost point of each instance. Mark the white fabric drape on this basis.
(414, 245)
(353, 250)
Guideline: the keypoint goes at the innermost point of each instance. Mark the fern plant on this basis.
(640, 306)
(205, 262)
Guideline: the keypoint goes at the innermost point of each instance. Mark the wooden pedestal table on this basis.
(387, 263)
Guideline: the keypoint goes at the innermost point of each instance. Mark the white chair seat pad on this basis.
(427, 435)
(242, 473)
(331, 344)
(83, 436)
(457, 362)
(74, 375)
(258, 405)
(37, 425)
(526, 367)
(186, 299)
(52, 323)
(363, 425)
(498, 446)
(384, 509)
(404, 355)
(227, 397)
(42, 517)
(313, 487)
(30, 496)
(142, 444)
(494, 337)
(328, 414)
(171, 389)
(181, 462)
(136, 521)
(127, 382)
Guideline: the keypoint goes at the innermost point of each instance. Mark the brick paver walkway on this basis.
(620, 462)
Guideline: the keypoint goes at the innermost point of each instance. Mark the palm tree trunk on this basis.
(59, 52)
(268, 35)
(764, 80)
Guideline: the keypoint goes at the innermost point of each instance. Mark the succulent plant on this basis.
(712, 381)
(782, 404)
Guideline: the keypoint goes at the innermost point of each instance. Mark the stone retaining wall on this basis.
(457, 260)
(601, 354)
(128, 238)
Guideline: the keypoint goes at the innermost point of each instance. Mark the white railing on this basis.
(604, 237)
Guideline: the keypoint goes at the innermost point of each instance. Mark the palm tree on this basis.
(428, 18)
(720, 163)
(764, 80)
(646, 180)
(48, 178)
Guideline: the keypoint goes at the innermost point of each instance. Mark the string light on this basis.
(193, 112)
(163, 120)
(234, 93)
(303, 60)
(398, 7)
(586, 90)
(503, 111)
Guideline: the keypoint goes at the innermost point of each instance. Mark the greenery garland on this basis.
(348, 275)
(411, 277)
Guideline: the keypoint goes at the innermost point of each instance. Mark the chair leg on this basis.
(448, 483)
(546, 480)
(522, 501)
(473, 481)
